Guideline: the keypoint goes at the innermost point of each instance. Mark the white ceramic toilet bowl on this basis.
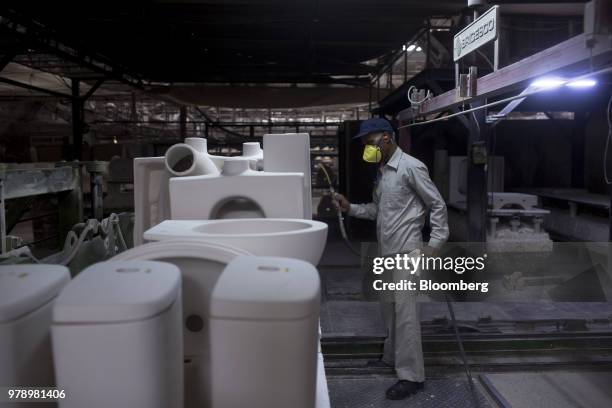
(201, 265)
(289, 238)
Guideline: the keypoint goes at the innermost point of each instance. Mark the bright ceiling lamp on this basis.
(582, 83)
(547, 83)
(411, 47)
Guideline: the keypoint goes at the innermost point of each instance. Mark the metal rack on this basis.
(23, 181)
(581, 54)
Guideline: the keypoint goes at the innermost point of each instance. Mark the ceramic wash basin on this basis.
(291, 238)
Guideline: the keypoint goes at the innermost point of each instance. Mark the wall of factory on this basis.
(595, 141)
(538, 153)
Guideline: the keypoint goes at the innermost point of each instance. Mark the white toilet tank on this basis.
(264, 334)
(27, 294)
(117, 337)
(290, 152)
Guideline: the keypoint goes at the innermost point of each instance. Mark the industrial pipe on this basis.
(190, 158)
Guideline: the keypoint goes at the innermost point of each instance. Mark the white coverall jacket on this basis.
(402, 197)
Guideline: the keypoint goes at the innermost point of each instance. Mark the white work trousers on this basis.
(403, 346)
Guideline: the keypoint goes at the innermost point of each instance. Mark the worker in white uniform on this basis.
(403, 196)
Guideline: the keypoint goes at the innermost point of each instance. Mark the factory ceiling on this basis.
(228, 41)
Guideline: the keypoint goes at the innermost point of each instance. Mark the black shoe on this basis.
(378, 364)
(403, 389)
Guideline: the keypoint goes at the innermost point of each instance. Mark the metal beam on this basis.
(70, 203)
(393, 58)
(477, 177)
(610, 227)
(93, 89)
(21, 181)
(183, 121)
(6, 59)
(34, 88)
(578, 142)
(77, 120)
(576, 50)
(212, 123)
(508, 109)
(96, 171)
(38, 35)
(435, 87)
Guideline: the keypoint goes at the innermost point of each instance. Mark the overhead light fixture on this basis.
(547, 83)
(404, 47)
(419, 49)
(115, 140)
(556, 82)
(582, 83)
(411, 47)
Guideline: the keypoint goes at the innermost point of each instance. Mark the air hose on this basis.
(466, 365)
(339, 212)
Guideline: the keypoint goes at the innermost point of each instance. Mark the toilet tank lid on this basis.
(266, 288)
(25, 288)
(118, 291)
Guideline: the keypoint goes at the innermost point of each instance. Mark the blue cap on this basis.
(374, 125)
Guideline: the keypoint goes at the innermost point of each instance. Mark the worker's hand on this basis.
(341, 202)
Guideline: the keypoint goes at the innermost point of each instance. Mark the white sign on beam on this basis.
(480, 32)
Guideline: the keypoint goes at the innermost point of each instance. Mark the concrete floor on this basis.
(556, 389)
(347, 312)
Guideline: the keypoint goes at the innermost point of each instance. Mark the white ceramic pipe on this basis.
(250, 149)
(253, 151)
(234, 166)
(190, 158)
